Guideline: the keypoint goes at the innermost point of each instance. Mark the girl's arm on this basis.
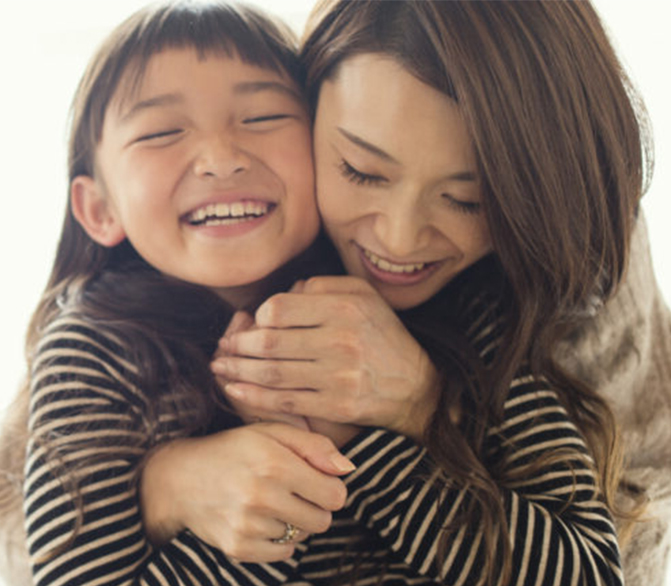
(560, 532)
(86, 426)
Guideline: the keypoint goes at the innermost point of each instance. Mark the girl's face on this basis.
(397, 183)
(207, 169)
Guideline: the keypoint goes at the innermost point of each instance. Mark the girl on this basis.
(479, 164)
(190, 190)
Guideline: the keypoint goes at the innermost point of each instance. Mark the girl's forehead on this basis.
(185, 70)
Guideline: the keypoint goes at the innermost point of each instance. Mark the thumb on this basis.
(240, 322)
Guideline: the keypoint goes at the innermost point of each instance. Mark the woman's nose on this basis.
(220, 156)
(402, 230)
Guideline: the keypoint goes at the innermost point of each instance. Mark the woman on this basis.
(494, 211)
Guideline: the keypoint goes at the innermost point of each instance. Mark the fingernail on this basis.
(218, 366)
(341, 463)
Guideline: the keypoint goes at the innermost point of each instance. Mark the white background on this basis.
(44, 46)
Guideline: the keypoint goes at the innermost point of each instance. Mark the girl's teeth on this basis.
(222, 213)
(385, 265)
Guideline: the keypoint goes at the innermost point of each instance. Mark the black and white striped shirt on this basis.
(83, 389)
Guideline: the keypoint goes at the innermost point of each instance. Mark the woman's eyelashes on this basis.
(358, 177)
(460, 205)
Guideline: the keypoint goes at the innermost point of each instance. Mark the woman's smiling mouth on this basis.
(392, 273)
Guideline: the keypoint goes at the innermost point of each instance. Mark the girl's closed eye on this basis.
(266, 118)
(162, 134)
(357, 177)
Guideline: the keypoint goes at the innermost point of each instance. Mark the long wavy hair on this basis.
(113, 288)
(564, 156)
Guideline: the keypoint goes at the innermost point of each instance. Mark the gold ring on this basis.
(290, 532)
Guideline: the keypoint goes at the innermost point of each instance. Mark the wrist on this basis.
(421, 410)
(158, 495)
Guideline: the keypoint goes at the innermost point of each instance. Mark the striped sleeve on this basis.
(561, 533)
(87, 425)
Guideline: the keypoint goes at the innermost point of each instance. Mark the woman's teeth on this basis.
(385, 265)
(227, 213)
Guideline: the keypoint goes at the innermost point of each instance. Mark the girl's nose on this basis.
(220, 157)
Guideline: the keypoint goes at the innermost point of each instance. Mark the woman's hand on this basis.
(242, 322)
(238, 489)
(334, 351)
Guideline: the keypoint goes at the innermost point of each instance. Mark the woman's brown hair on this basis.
(564, 156)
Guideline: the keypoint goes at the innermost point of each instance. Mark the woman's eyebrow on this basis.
(364, 144)
(153, 102)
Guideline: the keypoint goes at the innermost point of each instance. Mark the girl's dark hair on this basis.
(167, 328)
(564, 156)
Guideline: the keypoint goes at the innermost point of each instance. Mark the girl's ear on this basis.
(93, 211)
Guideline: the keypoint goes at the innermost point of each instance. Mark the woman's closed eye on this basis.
(357, 177)
(460, 205)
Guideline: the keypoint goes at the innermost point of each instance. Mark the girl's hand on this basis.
(237, 489)
(333, 351)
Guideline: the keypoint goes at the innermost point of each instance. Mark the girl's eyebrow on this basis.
(253, 87)
(153, 102)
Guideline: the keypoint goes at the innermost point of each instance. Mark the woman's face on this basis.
(397, 183)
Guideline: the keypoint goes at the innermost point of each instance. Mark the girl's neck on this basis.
(320, 258)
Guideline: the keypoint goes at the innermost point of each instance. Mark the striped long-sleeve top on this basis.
(397, 505)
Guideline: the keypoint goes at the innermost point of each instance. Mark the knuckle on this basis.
(268, 340)
(271, 375)
(323, 522)
(349, 344)
(349, 409)
(287, 406)
(271, 310)
(314, 285)
(348, 308)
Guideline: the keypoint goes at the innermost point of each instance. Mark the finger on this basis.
(293, 310)
(249, 415)
(291, 344)
(292, 402)
(240, 321)
(337, 285)
(322, 299)
(317, 450)
(298, 286)
(280, 374)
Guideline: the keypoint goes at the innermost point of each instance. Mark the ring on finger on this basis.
(290, 533)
